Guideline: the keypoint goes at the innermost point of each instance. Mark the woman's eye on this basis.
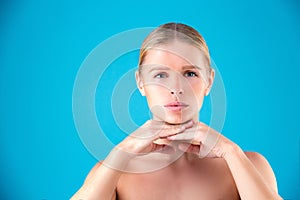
(161, 75)
(190, 74)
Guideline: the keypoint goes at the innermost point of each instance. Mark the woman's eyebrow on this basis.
(191, 67)
(157, 68)
(164, 68)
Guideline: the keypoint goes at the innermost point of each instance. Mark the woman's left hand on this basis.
(203, 141)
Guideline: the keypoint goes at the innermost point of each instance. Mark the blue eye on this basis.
(190, 74)
(161, 75)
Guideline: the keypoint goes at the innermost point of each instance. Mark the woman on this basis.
(177, 156)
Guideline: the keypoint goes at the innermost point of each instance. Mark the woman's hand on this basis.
(143, 140)
(134, 152)
(202, 140)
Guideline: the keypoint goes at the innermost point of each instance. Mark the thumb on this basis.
(162, 148)
(189, 148)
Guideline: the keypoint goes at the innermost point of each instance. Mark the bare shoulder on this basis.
(256, 158)
(92, 171)
(260, 162)
(263, 166)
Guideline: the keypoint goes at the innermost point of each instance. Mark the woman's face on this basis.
(174, 78)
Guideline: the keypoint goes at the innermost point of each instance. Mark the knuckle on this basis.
(179, 128)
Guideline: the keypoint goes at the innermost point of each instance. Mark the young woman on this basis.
(176, 156)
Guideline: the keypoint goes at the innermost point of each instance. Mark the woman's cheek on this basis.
(153, 95)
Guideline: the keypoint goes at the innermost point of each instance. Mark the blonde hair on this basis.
(169, 32)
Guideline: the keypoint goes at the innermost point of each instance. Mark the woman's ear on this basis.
(139, 83)
(210, 81)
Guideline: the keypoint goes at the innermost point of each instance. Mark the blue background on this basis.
(255, 44)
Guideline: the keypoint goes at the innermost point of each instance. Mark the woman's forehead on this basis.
(175, 56)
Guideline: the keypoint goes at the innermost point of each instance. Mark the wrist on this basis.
(132, 146)
(118, 159)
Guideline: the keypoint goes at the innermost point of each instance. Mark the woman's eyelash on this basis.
(161, 75)
(190, 74)
(186, 74)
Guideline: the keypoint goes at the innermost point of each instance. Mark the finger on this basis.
(183, 136)
(175, 129)
(164, 125)
(163, 149)
(162, 141)
(161, 129)
(189, 148)
(193, 133)
(167, 150)
(195, 149)
(167, 126)
(189, 124)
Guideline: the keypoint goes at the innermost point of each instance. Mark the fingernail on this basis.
(171, 137)
(189, 123)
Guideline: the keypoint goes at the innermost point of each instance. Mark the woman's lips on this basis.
(176, 106)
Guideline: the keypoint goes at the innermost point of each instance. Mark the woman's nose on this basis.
(176, 86)
(176, 91)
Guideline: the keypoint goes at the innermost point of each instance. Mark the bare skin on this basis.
(225, 172)
(187, 178)
(199, 180)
